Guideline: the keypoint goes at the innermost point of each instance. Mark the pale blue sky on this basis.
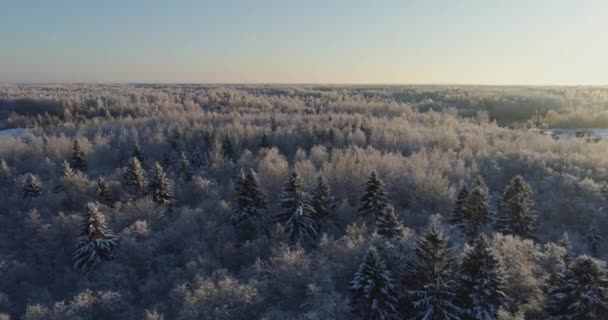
(247, 41)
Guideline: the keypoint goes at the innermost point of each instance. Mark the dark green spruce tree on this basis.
(323, 204)
(79, 158)
(32, 187)
(477, 209)
(138, 153)
(516, 215)
(96, 243)
(134, 178)
(249, 205)
(581, 292)
(295, 213)
(160, 187)
(185, 170)
(104, 195)
(374, 296)
(594, 238)
(481, 283)
(374, 200)
(429, 279)
(388, 224)
(458, 216)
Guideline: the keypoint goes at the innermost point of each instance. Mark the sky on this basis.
(488, 42)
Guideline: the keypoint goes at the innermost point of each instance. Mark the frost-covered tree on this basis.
(581, 292)
(160, 187)
(66, 170)
(594, 238)
(249, 205)
(296, 213)
(430, 288)
(374, 296)
(134, 178)
(477, 209)
(481, 282)
(104, 195)
(32, 187)
(388, 224)
(265, 142)
(185, 171)
(374, 200)
(322, 202)
(96, 243)
(516, 215)
(565, 243)
(458, 216)
(79, 158)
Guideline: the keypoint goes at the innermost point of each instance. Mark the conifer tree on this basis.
(264, 142)
(249, 204)
(481, 283)
(66, 170)
(323, 204)
(295, 212)
(96, 243)
(138, 153)
(185, 171)
(594, 237)
(134, 178)
(374, 296)
(160, 187)
(458, 217)
(581, 292)
(477, 209)
(103, 192)
(228, 148)
(388, 225)
(428, 277)
(565, 243)
(374, 200)
(32, 186)
(79, 158)
(516, 214)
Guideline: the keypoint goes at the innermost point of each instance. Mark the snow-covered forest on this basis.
(302, 202)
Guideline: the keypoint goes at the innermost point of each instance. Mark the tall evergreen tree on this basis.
(481, 283)
(160, 187)
(374, 200)
(581, 292)
(516, 214)
(95, 243)
(103, 192)
(565, 243)
(264, 142)
(429, 279)
(458, 217)
(594, 238)
(295, 212)
(323, 204)
(134, 178)
(249, 208)
(185, 171)
(79, 158)
(374, 296)
(138, 153)
(66, 170)
(477, 209)
(32, 187)
(388, 225)
(228, 148)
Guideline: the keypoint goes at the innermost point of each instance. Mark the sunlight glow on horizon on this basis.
(347, 42)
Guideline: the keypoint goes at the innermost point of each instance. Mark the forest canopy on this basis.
(302, 202)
